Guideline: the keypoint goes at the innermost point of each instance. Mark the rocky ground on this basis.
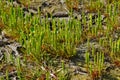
(76, 67)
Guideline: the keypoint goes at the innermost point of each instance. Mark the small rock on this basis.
(60, 14)
(1, 43)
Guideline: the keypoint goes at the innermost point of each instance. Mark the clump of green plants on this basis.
(94, 66)
(62, 40)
